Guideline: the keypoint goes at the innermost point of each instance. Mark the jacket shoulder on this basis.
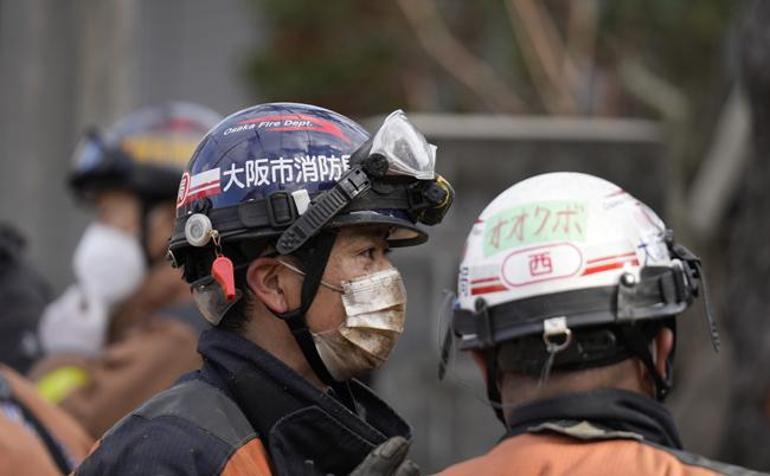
(205, 407)
(585, 431)
(192, 428)
(696, 460)
(560, 454)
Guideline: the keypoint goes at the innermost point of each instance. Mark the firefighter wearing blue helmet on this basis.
(285, 215)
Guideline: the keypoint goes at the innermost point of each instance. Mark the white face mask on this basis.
(109, 264)
(375, 311)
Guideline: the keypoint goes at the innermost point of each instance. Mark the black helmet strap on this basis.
(493, 387)
(639, 344)
(317, 252)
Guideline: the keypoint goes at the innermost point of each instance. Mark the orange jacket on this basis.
(604, 431)
(21, 450)
(553, 454)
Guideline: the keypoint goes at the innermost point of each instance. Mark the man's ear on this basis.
(266, 280)
(664, 344)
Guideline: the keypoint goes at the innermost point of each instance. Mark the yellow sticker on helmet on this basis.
(535, 223)
(162, 150)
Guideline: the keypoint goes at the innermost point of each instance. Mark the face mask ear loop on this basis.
(291, 267)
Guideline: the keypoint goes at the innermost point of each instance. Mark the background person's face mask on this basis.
(108, 263)
(375, 311)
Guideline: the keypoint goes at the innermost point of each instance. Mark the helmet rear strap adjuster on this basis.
(557, 337)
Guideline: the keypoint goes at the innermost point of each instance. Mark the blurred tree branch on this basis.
(475, 74)
(668, 101)
(552, 70)
(561, 58)
(581, 39)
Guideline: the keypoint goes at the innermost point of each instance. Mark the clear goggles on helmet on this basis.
(397, 149)
(405, 148)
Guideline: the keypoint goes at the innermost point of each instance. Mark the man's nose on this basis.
(384, 264)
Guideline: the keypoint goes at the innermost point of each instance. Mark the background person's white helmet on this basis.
(570, 264)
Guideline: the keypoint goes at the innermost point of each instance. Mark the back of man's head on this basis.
(568, 284)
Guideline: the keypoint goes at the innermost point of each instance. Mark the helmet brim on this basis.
(405, 233)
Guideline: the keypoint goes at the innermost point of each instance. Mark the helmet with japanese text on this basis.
(569, 271)
(144, 152)
(286, 175)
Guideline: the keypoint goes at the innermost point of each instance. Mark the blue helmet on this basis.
(285, 175)
(144, 152)
(256, 173)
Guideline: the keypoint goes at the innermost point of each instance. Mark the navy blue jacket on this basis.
(244, 410)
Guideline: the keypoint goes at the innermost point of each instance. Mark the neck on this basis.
(626, 375)
(273, 335)
(608, 409)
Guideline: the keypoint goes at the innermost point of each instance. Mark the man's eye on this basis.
(372, 252)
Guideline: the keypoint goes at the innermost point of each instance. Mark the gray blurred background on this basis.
(643, 93)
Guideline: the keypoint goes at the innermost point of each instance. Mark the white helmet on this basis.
(563, 252)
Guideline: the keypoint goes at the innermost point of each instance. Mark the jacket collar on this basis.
(616, 411)
(226, 353)
(228, 356)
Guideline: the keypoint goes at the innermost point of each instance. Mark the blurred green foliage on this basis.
(687, 43)
(363, 57)
(339, 53)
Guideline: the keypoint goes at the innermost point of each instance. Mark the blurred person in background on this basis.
(285, 216)
(127, 328)
(569, 290)
(35, 436)
(23, 296)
